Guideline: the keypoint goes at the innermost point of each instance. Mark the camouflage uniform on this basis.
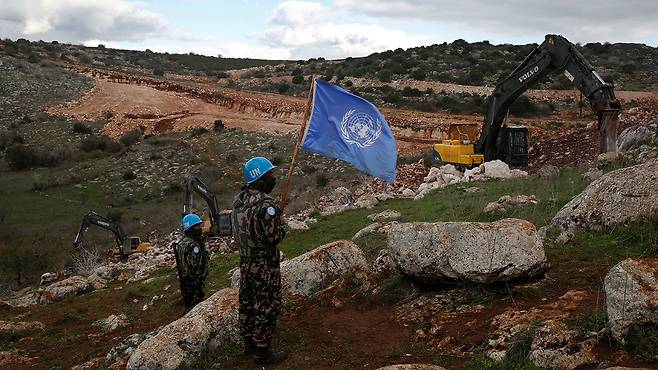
(192, 263)
(258, 229)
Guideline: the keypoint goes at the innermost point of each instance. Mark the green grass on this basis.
(448, 204)
(516, 356)
(642, 342)
(7, 341)
(587, 323)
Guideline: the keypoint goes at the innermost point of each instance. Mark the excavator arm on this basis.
(220, 222)
(93, 218)
(555, 54)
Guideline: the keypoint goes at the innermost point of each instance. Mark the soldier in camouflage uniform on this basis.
(191, 261)
(257, 230)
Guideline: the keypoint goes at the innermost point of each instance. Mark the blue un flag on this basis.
(350, 128)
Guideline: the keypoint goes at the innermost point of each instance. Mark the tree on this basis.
(297, 79)
(384, 75)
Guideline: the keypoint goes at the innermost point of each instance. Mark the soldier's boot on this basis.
(249, 346)
(265, 356)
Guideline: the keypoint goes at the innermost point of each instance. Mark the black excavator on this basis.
(510, 143)
(219, 223)
(126, 244)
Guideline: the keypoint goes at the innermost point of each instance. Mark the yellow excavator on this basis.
(510, 143)
(126, 244)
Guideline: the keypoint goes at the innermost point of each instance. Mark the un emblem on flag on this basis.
(360, 129)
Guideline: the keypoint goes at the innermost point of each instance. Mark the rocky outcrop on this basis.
(636, 136)
(617, 198)
(467, 251)
(387, 215)
(73, 286)
(112, 322)
(631, 289)
(555, 346)
(412, 367)
(316, 270)
(506, 201)
(8, 327)
(208, 326)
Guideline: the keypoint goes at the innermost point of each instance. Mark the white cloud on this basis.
(79, 20)
(580, 21)
(308, 29)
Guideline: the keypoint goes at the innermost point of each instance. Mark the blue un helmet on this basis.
(190, 221)
(256, 167)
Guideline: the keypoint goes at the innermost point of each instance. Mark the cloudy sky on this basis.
(328, 28)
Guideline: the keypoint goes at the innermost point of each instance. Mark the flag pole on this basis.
(307, 113)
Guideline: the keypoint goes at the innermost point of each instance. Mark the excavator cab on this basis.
(512, 145)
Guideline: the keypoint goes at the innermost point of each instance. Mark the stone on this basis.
(636, 136)
(386, 215)
(296, 225)
(548, 172)
(450, 169)
(383, 264)
(617, 198)
(366, 201)
(313, 271)
(14, 359)
(555, 346)
(49, 278)
(368, 230)
(412, 367)
(518, 173)
(477, 252)
(592, 174)
(408, 193)
(496, 169)
(209, 326)
(97, 282)
(631, 289)
(473, 189)
(112, 322)
(75, 285)
(8, 327)
(507, 201)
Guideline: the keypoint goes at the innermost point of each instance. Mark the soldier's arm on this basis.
(271, 223)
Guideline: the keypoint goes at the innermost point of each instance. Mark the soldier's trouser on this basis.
(260, 301)
(192, 291)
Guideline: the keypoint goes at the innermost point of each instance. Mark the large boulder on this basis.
(211, 324)
(631, 289)
(73, 286)
(314, 271)
(636, 136)
(617, 198)
(467, 251)
(495, 169)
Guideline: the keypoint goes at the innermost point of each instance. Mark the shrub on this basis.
(129, 175)
(384, 75)
(199, 131)
(321, 180)
(131, 137)
(283, 88)
(158, 72)
(81, 128)
(8, 138)
(20, 157)
(102, 143)
(297, 79)
(218, 125)
(221, 75)
(84, 58)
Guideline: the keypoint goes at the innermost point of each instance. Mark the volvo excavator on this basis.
(126, 244)
(510, 143)
(219, 223)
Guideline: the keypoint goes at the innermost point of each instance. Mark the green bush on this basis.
(321, 180)
(81, 128)
(297, 79)
(642, 342)
(115, 215)
(102, 143)
(198, 131)
(129, 175)
(158, 72)
(8, 138)
(20, 157)
(218, 125)
(283, 88)
(384, 75)
(131, 137)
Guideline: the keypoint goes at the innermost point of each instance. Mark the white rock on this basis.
(75, 285)
(631, 289)
(467, 251)
(408, 193)
(370, 229)
(112, 322)
(617, 198)
(366, 201)
(210, 325)
(496, 169)
(555, 346)
(314, 271)
(386, 215)
(518, 173)
(635, 137)
(97, 282)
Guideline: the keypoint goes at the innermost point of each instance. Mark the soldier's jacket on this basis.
(192, 259)
(257, 225)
